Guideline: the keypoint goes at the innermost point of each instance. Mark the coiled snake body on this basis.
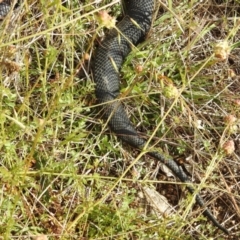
(109, 59)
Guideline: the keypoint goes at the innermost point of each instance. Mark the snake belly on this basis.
(108, 61)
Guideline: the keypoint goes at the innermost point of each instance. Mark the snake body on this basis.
(5, 7)
(108, 61)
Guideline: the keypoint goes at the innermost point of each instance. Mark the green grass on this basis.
(65, 176)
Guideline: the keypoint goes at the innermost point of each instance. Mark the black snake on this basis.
(109, 59)
(5, 7)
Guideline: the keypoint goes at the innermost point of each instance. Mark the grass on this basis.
(65, 176)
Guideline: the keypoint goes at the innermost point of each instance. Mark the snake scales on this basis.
(5, 7)
(109, 59)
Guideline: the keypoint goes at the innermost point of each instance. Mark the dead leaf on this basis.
(159, 203)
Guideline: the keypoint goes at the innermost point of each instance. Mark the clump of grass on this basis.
(64, 175)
